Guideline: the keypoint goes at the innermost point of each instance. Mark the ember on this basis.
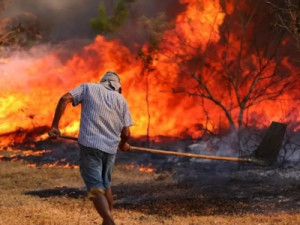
(141, 168)
(147, 169)
(57, 165)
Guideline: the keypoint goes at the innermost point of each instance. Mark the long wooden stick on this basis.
(157, 151)
(164, 152)
(68, 137)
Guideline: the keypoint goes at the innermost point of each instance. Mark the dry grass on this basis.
(16, 208)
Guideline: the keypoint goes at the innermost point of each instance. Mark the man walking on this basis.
(104, 127)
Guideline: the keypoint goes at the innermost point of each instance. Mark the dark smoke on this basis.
(60, 20)
(69, 19)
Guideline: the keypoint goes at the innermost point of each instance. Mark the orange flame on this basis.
(54, 165)
(147, 169)
(141, 168)
(31, 86)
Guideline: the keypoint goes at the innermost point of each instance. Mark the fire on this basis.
(25, 152)
(13, 155)
(54, 165)
(147, 169)
(32, 83)
(141, 168)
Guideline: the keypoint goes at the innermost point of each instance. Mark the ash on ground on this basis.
(196, 186)
(207, 187)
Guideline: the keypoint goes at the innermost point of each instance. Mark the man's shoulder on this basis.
(102, 89)
(93, 86)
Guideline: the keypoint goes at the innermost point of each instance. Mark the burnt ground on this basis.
(184, 186)
(212, 188)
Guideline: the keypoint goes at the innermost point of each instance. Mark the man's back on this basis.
(104, 126)
(103, 115)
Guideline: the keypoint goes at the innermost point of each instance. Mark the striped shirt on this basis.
(104, 113)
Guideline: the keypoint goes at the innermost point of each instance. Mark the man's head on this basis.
(111, 81)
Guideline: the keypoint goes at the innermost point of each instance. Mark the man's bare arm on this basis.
(60, 108)
(125, 134)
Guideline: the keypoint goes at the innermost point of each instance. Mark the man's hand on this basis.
(54, 132)
(125, 147)
(60, 108)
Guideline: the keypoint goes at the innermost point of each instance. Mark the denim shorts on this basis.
(96, 167)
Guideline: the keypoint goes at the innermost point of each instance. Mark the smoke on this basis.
(59, 20)
(14, 71)
(68, 19)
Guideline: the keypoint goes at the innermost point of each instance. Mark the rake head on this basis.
(265, 154)
(268, 149)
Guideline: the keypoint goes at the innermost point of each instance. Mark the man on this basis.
(104, 127)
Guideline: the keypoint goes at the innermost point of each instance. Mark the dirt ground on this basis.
(180, 191)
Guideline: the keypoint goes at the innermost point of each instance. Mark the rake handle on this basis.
(192, 155)
(157, 151)
(69, 137)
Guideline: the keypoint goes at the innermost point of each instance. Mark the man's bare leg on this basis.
(109, 197)
(102, 207)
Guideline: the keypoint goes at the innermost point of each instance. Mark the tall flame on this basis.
(31, 83)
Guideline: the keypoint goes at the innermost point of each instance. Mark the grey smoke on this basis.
(67, 19)
(59, 19)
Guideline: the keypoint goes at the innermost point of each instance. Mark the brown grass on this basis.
(16, 208)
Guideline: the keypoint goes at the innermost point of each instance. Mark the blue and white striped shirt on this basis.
(104, 113)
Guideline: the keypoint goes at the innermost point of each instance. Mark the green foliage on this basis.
(104, 24)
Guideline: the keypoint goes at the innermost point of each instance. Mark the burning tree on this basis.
(22, 29)
(287, 14)
(155, 28)
(239, 64)
(219, 58)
